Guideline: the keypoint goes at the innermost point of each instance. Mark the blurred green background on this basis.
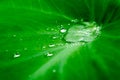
(32, 46)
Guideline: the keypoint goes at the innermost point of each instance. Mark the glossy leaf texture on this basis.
(33, 46)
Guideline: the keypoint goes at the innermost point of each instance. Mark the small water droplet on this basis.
(49, 54)
(52, 45)
(44, 47)
(60, 44)
(52, 29)
(54, 37)
(54, 70)
(63, 30)
(21, 39)
(14, 35)
(25, 48)
(48, 29)
(75, 20)
(16, 55)
(61, 25)
(68, 24)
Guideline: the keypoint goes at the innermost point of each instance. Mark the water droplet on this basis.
(44, 47)
(54, 70)
(54, 37)
(68, 24)
(48, 29)
(60, 44)
(61, 25)
(63, 30)
(21, 39)
(52, 45)
(52, 29)
(49, 54)
(14, 35)
(25, 48)
(16, 55)
(75, 20)
(82, 33)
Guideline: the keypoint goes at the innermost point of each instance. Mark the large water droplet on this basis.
(85, 32)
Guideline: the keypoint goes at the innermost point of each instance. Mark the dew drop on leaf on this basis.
(85, 32)
(49, 54)
(54, 70)
(61, 25)
(52, 45)
(74, 20)
(25, 48)
(21, 39)
(54, 37)
(44, 47)
(16, 55)
(14, 35)
(68, 24)
(63, 30)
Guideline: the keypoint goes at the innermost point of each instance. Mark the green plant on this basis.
(59, 39)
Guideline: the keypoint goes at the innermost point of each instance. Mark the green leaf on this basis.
(34, 47)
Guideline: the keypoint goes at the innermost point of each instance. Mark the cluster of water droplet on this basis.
(78, 31)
